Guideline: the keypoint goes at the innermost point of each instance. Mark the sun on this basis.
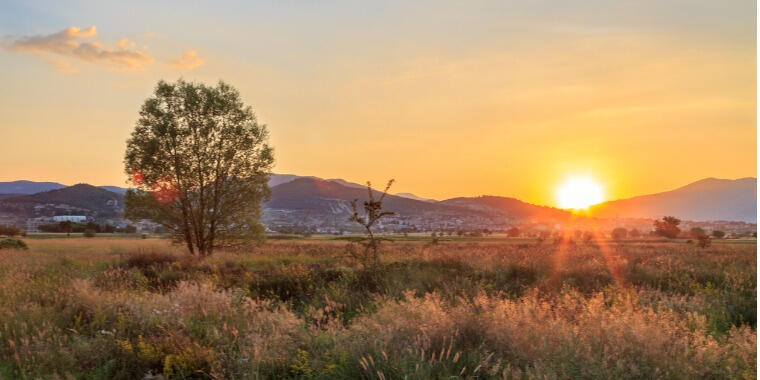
(579, 193)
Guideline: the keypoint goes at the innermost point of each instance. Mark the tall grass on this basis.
(125, 309)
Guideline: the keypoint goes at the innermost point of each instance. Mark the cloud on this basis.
(66, 43)
(189, 60)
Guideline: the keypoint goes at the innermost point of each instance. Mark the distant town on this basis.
(309, 205)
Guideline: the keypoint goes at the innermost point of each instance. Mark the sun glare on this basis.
(579, 193)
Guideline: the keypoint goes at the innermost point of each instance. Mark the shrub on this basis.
(619, 233)
(697, 233)
(89, 233)
(143, 260)
(12, 243)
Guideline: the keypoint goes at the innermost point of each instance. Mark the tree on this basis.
(200, 163)
(697, 232)
(373, 211)
(9, 230)
(619, 233)
(634, 233)
(513, 232)
(66, 226)
(667, 227)
(718, 234)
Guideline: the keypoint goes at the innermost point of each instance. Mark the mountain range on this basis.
(329, 200)
(80, 199)
(706, 199)
(32, 187)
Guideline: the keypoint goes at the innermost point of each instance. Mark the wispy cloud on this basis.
(189, 60)
(67, 43)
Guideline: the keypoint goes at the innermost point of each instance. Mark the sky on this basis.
(460, 98)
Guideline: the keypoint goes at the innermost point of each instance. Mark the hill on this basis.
(511, 208)
(32, 187)
(413, 196)
(115, 189)
(28, 187)
(331, 197)
(80, 198)
(704, 200)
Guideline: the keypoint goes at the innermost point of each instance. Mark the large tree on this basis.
(199, 163)
(667, 227)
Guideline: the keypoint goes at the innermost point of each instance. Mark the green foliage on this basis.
(200, 163)
(718, 234)
(12, 243)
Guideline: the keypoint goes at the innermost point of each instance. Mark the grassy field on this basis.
(112, 308)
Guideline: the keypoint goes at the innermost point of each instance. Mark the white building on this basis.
(70, 218)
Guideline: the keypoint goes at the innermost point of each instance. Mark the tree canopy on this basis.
(667, 227)
(199, 162)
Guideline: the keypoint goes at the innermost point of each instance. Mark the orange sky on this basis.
(449, 99)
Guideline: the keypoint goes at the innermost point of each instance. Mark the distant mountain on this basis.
(415, 197)
(349, 184)
(80, 198)
(278, 179)
(704, 200)
(115, 189)
(28, 187)
(32, 187)
(331, 197)
(297, 198)
(510, 208)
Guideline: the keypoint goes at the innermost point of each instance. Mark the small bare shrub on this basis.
(373, 211)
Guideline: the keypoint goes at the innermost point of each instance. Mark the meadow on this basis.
(111, 308)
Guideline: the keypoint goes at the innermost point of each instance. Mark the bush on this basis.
(12, 243)
(89, 233)
(697, 233)
(619, 233)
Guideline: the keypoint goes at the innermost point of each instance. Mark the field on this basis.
(111, 308)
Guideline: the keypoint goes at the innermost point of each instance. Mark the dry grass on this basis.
(111, 308)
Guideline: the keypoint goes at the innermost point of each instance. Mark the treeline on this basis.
(9, 230)
(93, 227)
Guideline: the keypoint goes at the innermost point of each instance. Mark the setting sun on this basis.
(579, 193)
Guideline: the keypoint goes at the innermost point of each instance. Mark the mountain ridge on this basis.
(706, 199)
